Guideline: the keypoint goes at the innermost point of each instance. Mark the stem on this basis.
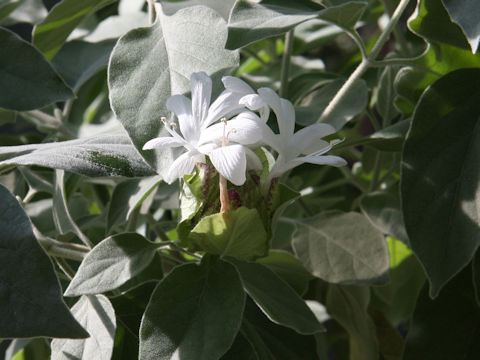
(376, 171)
(287, 54)
(366, 61)
(56, 248)
(397, 32)
(224, 199)
(152, 13)
(65, 267)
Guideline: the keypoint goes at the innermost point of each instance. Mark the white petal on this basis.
(182, 107)
(237, 85)
(247, 128)
(282, 108)
(230, 161)
(201, 93)
(162, 143)
(307, 140)
(317, 160)
(183, 165)
(253, 102)
(226, 105)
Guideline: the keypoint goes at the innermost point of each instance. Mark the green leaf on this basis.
(447, 326)
(397, 299)
(383, 211)
(441, 176)
(111, 263)
(348, 305)
(97, 315)
(441, 59)
(462, 13)
(238, 233)
(274, 342)
(50, 35)
(7, 116)
(7, 6)
(279, 302)
(353, 103)
(431, 21)
(196, 311)
(390, 138)
(63, 221)
(129, 196)
(78, 61)
(341, 248)
(31, 303)
(288, 268)
(148, 65)
(28, 84)
(385, 94)
(252, 21)
(222, 7)
(102, 155)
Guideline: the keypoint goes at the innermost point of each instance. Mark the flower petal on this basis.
(253, 161)
(237, 85)
(162, 143)
(230, 161)
(283, 110)
(331, 160)
(226, 105)
(201, 94)
(183, 165)
(181, 106)
(307, 140)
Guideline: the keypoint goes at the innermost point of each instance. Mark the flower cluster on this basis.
(228, 131)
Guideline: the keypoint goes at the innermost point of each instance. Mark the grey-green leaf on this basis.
(383, 211)
(279, 302)
(50, 35)
(222, 7)
(252, 21)
(28, 84)
(441, 176)
(342, 248)
(7, 6)
(129, 196)
(195, 312)
(78, 61)
(111, 264)
(348, 305)
(148, 65)
(31, 304)
(465, 14)
(238, 233)
(97, 315)
(102, 155)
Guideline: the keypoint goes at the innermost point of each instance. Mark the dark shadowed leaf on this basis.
(97, 315)
(50, 35)
(30, 303)
(463, 12)
(112, 263)
(194, 313)
(448, 326)
(342, 248)
(102, 155)
(148, 65)
(289, 268)
(348, 305)
(280, 303)
(28, 84)
(441, 176)
(129, 196)
(78, 61)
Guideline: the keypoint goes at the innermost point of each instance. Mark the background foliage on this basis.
(376, 260)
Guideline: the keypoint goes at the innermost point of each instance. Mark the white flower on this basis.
(295, 148)
(222, 142)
